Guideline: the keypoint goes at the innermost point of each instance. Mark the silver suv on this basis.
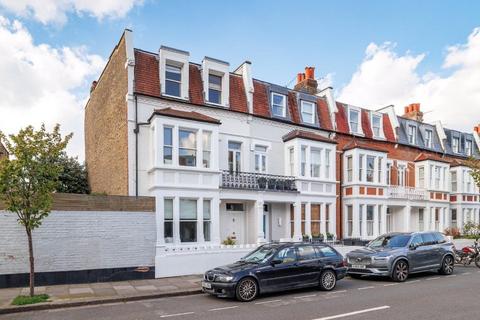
(399, 254)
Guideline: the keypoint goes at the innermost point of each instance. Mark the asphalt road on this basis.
(426, 296)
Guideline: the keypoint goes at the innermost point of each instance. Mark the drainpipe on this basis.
(340, 196)
(136, 131)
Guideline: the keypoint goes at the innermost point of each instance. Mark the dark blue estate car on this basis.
(277, 267)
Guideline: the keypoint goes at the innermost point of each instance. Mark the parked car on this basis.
(399, 254)
(277, 267)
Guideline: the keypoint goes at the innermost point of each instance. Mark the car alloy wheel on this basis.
(328, 280)
(247, 290)
(447, 265)
(401, 271)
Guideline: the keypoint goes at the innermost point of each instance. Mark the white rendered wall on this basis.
(71, 240)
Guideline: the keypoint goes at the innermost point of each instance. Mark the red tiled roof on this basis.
(306, 135)
(354, 143)
(342, 119)
(238, 98)
(324, 114)
(260, 99)
(425, 156)
(147, 80)
(388, 129)
(189, 115)
(292, 104)
(195, 85)
(366, 125)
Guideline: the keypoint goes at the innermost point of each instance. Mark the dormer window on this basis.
(353, 119)
(214, 88)
(455, 144)
(308, 112)
(376, 125)
(428, 138)
(412, 134)
(468, 147)
(279, 105)
(173, 80)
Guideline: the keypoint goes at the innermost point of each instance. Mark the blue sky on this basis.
(373, 53)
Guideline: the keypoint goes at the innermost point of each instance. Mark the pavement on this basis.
(105, 292)
(425, 296)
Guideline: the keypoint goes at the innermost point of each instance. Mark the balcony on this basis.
(257, 181)
(408, 193)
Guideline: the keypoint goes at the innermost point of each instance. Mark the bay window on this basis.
(327, 164)
(380, 170)
(279, 108)
(437, 177)
(349, 221)
(454, 181)
(214, 88)
(291, 161)
(308, 112)
(207, 148)
(360, 167)
(167, 145)
(187, 151)
(168, 220)
(421, 177)
(401, 175)
(370, 168)
(207, 216)
(315, 163)
(303, 161)
(349, 168)
(370, 210)
(188, 220)
(173, 80)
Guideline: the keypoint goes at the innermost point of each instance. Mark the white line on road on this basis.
(307, 296)
(391, 284)
(478, 271)
(176, 314)
(365, 288)
(353, 313)
(224, 308)
(434, 278)
(452, 275)
(335, 292)
(270, 301)
(467, 273)
(413, 281)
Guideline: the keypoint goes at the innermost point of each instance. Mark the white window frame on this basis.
(291, 160)
(454, 180)
(349, 161)
(456, 146)
(380, 134)
(412, 136)
(313, 166)
(207, 151)
(221, 69)
(195, 132)
(468, 147)
(262, 158)
(283, 106)
(428, 138)
(177, 58)
(421, 177)
(234, 152)
(358, 111)
(214, 87)
(179, 82)
(309, 104)
(166, 146)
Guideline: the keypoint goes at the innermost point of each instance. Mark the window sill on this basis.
(175, 97)
(213, 104)
(184, 168)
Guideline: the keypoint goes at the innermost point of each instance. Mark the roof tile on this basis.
(238, 98)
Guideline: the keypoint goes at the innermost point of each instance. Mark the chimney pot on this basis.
(309, 72)
(299, 77)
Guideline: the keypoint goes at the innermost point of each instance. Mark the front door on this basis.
(266, 222)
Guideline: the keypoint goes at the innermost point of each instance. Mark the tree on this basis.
(474, 164)
(29, 178)
(73, 178)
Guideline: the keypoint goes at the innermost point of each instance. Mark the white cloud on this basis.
(39, 83)
(55, 11)
(384, 78)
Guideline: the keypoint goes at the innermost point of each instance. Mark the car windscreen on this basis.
(260, 255)
(390, 241)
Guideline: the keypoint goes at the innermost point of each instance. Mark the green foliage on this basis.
(229, 241)
(28, 179)
(23, 300)
(73, 178)
(474, 164)
(470, 228)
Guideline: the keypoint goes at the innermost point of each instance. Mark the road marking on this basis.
(391, 284)
(478, 271)
(335, 292)
(270, 301)
(353, 313)
(224, 308)
(413, 281)
(365, 288)
(467, 273)
(434, 278)
(452, 275)
(307, 296)
(176, 314)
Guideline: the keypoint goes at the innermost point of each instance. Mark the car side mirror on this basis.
(413, 246)
(276, 261)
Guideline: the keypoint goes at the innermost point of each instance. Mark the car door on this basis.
(281, 272)
(328, 257)
(430, 246)
(439, 248)
(417, 253)
(308, 265)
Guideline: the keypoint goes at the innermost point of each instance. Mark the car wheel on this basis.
(447, 265)
(247, 290)
(400, 271)
(328, 280)
(354, 275)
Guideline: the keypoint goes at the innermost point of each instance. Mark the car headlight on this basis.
(223, 278)
(386, 258)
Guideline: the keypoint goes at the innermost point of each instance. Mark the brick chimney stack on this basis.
(412, 111)
(306, 81)
(477, 129)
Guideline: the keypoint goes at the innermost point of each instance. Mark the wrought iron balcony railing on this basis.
(257, 181)
(410, 193)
